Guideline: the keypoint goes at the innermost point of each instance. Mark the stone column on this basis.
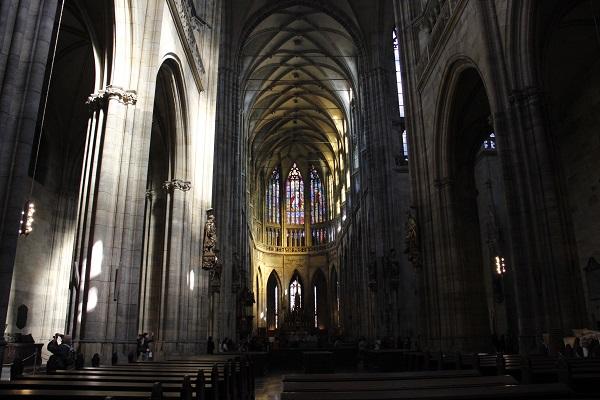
(107, 314)
(26, 30)
(537, 206)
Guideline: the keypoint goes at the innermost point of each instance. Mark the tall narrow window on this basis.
(276, 307)
(317, 198)
(295, 294)
(273, 202)
(398, 73)
(315, 303)
(295, 197)
(404, 146)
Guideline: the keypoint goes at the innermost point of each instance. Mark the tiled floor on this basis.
(269, 387)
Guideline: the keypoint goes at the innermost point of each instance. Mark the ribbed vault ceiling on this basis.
(299, 66)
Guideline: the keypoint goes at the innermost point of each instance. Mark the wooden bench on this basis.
(397, 384)
(581, 373)
(381, 376)
(511, 364)
(512, 392)
(230, 380)
(487, 364)
(74, 394)
(538, 368)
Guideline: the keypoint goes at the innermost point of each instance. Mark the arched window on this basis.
(398, 72)
(295, 197)
(273, 295)
(404, 146)
(489, 144)
(295, 294)
(273, 214)
(317, 198)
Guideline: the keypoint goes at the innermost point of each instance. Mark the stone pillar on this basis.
(537, 207)
(26, 30)
(106, 313)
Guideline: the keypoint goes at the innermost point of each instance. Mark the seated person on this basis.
(62, 352)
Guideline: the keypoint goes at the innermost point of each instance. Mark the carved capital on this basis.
(526, 94)
(99, 99)
(121, 95)
(178, 184)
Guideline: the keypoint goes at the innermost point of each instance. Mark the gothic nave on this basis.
(395, 178)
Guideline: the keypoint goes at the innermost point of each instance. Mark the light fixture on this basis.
(26, 223)
(500, 265)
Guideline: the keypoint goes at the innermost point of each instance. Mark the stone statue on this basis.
(412, 240)
(210, 252)
(209, 247)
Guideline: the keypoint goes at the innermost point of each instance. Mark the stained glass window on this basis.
(490, 143)
(295, 294)
(317, 198)
(273, 214)
(295, 197)
(404, 146)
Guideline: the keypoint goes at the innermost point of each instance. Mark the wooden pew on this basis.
(74, 394)
(582, 374)
(397, 384)
(380, 376)
(511, 364)
(232, 377)
(512, 392)
(538, 368)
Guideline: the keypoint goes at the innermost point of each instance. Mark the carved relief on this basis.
(412, 240)
(178, 184)
(210, 252)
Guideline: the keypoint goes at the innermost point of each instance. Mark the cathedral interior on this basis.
(317, 186)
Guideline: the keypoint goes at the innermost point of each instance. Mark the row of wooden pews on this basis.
(447, 385)
(204, 378)
(582, 375)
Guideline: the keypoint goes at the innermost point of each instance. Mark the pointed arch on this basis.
(296, 291)
(273, 197)
(334, 285)
(320, 303)
(318, 208)
(273, 301)
(294, 189)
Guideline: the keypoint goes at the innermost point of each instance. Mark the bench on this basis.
(511, 364)
(381, 376)
(538, 368)
(580, 373)
(397, 384)
(512, 392)
(228, 380)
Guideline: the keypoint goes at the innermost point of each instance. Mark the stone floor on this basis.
(269, 387)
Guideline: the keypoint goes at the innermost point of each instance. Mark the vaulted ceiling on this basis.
(299, 73)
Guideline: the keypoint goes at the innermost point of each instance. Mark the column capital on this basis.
(100, 98)
(178, 184)
(525, 94)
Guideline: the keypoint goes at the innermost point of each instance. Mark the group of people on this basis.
(582, 349)
(228, 345)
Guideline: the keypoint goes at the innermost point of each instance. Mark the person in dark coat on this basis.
(62, 352)
(210, 345)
